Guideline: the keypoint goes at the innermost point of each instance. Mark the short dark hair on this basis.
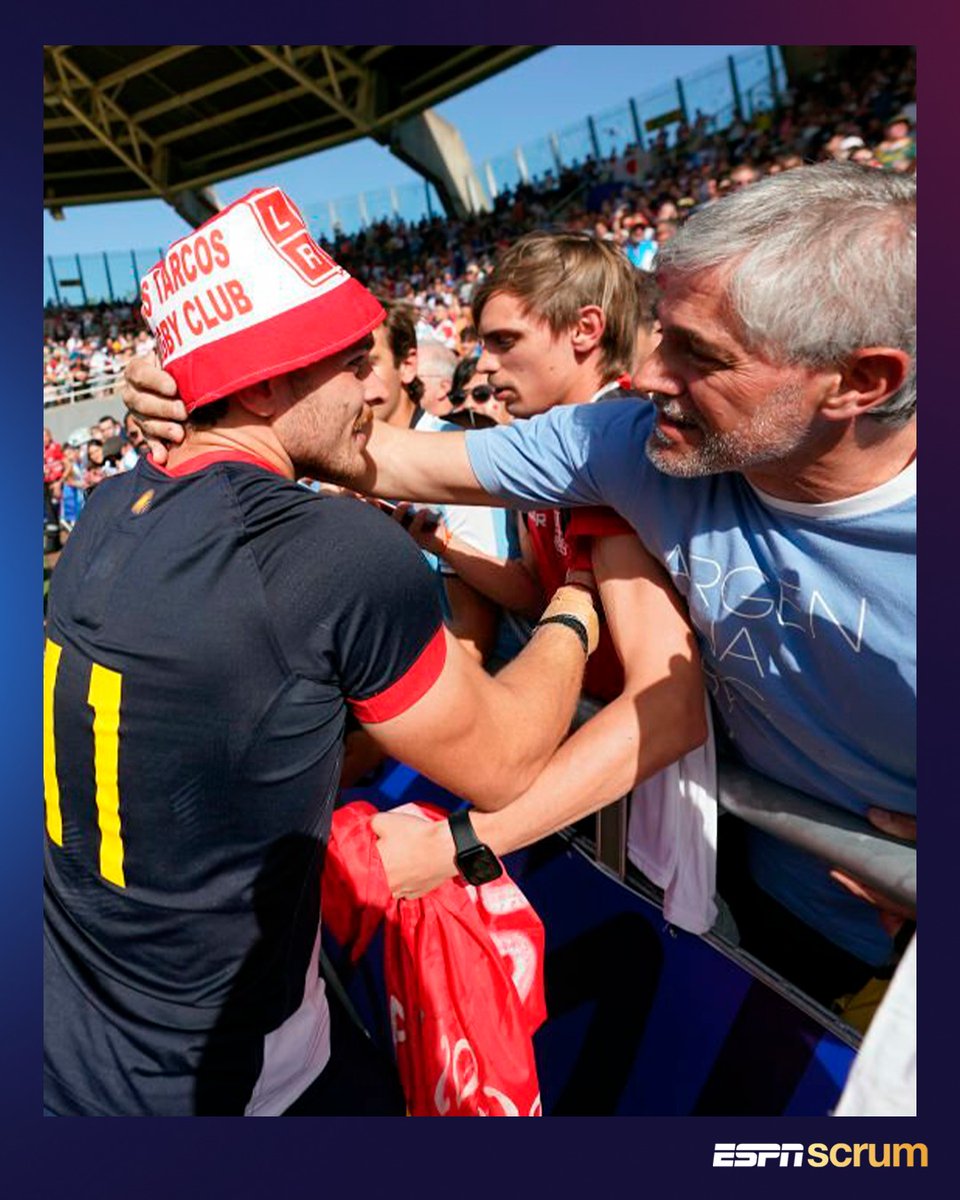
(208, 415)
(401, 327)
(463, 372)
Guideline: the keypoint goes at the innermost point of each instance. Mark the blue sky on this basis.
(553, 89)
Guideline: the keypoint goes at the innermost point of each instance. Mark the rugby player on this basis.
(209, 626)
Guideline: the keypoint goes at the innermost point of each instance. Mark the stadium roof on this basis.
(130, 122)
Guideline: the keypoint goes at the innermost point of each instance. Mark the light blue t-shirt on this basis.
(805, 614)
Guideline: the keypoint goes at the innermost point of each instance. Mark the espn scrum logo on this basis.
(818, 1154)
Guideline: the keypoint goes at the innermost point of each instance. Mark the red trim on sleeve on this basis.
(597, 522)
(404, 692)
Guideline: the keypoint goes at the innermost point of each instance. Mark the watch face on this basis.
(479, 865)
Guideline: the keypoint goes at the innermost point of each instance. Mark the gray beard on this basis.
(776, 431)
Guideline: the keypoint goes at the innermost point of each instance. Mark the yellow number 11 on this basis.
(104, 698)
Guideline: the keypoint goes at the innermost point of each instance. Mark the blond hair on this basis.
(555, 275)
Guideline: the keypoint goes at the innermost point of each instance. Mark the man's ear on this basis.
(408, 367)
(586, 334)
(867, 378)
(258, 399)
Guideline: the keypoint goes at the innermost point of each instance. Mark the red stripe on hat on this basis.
(404, 692)
(293, 339)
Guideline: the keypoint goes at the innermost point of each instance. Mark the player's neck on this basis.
(588, 381)
(257, 441)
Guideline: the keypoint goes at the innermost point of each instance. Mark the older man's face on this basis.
(436, 392)
(721, 406)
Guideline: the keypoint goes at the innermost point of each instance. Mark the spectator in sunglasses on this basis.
(471, 393)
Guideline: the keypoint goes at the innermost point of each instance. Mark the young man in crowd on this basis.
(558, 276)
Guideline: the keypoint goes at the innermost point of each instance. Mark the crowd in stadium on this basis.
(497, 568)
(435, 266)
(72, 470)
(85, 350)
(634, 199)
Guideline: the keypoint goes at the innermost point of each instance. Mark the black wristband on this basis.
(573, 623)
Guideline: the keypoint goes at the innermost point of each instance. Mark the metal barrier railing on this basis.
(840, 838)
(68, 394)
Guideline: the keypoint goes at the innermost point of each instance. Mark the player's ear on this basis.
(408, 367)
(259, 399)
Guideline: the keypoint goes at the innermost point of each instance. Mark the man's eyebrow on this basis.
(694, 339)
(504, 331)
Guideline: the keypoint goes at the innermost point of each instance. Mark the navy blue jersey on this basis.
(206, 632)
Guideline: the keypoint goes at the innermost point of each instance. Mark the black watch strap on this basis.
(464, 835)
(475, 861)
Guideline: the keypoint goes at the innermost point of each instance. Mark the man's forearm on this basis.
(505, 581)
(535, 697)
(407, 465)
(628, 741)
(486, 737)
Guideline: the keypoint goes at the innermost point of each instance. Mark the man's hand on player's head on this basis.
(151, 395)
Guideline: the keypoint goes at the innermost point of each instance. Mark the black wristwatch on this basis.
(476, 862)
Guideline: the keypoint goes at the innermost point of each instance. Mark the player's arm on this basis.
(658, 717)
(484, 737)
